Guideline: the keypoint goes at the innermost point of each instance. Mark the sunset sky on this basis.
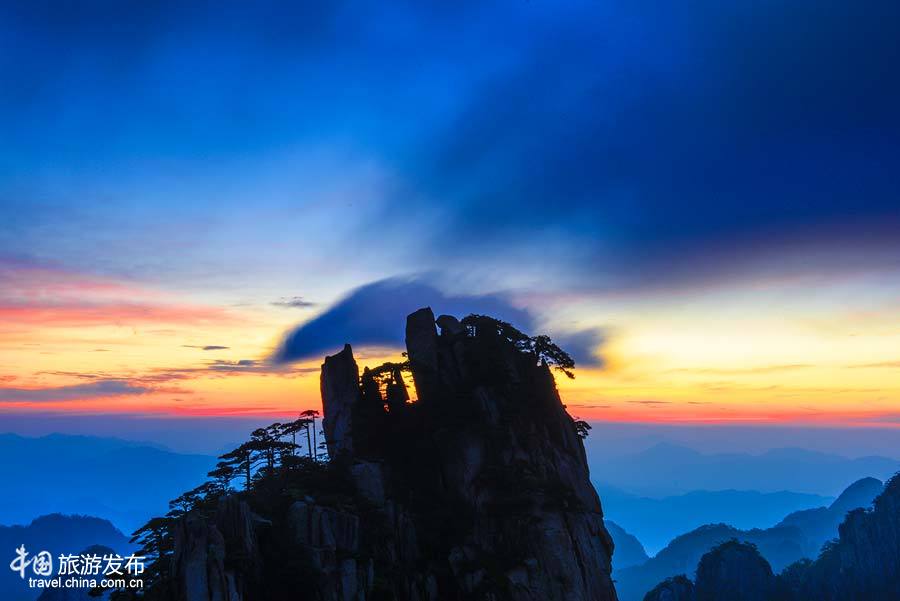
(701, 201)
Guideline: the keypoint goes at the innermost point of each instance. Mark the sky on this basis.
(698, 200)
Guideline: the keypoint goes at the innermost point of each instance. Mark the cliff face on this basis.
(487, 447)
(864, 563)
(477, 489)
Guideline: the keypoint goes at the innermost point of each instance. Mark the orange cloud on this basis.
(38, 295)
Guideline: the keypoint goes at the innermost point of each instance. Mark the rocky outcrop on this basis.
(482, 479)
(472, 485)
(340, 388)
(864, 563)
(202, 545)
(677, 588)
(331, 539)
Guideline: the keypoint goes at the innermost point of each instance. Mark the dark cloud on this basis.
(644, 134)
(375, 315)
(623, 144)
(209, 347)
(296, 302)
(94, 389)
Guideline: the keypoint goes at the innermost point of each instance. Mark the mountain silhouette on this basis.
(862, 564)
(789, 541)
(655, 522)
(124, 482)
(57, 534)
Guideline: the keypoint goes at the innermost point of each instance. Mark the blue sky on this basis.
(603, 169)
(597, 132)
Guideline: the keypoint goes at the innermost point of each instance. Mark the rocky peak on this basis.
(470, 484)
(485, 439)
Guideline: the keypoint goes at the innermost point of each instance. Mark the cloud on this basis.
(296, 302)
(255, 366)
(375, 315)
(94, 389)
(667, 143)
(209, 347)
(763, 369)
(34, 294)
(881, 365)
(644, 143)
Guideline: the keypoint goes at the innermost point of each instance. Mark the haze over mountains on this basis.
(122, 481)
(655, 522)
(668, 469)
(667, 500)
(655, 494)
(799, 535)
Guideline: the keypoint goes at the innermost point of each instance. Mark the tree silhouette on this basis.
(540, 346)
(582, 428)
(310, 416)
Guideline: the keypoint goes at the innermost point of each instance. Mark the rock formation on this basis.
(486, 447)
(677, 588)
(477, 488)
(864, 563)
(734, 571)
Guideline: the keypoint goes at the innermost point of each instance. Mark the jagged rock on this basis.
(677, 588)
(478, 490)
(520, 490)
(449, 326)
(369, 480)
(199, 565)
(340, 392)
(421, 348)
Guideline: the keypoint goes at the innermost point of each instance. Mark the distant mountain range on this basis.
(58, 534)
(122, 481)
(861, 564)
(668, 469)
(799, 535)
(655, 522)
